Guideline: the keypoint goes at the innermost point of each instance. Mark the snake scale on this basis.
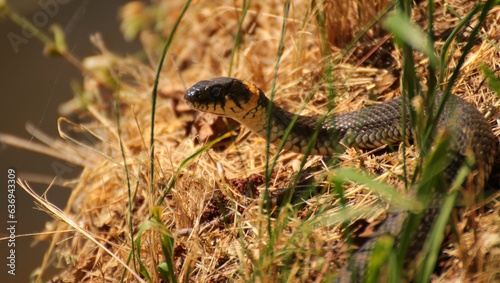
(370, 127)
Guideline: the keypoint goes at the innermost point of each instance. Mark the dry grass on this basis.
(208, 248)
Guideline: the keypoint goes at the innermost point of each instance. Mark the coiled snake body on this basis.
(370, 127)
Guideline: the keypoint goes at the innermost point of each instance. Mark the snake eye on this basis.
(216, 91)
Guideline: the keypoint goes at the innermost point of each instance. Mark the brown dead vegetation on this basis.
(219, 231)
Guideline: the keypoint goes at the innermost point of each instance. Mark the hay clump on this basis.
(219, 233)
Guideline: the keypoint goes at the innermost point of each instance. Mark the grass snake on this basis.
(370, 127)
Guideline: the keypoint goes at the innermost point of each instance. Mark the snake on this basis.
(370, 127)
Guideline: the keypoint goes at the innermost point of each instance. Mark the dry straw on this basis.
(219, 233)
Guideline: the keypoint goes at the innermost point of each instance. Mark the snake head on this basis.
(221, 96)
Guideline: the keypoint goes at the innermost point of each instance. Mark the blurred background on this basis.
(32, 86)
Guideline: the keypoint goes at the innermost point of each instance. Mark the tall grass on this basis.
(431, 153)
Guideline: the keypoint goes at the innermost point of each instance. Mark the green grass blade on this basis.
(444, 58)
(268, 168)
(493, 81)
(167, 242)
(167, 267)
(431, 78)
(127, 176)
(436, 236)
(186, 162)
(465, 52)
(404, 30)
(386, 192)
(379, 257)
(155, 92)
(239, 35)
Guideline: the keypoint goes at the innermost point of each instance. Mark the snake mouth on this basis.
(191, 97)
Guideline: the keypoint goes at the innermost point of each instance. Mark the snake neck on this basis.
(370, 127)
(272, 124)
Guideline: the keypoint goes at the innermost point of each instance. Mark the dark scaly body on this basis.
(370, 127)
